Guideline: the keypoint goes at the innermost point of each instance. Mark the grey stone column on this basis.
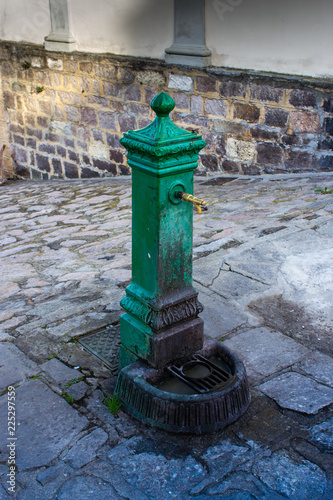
(60, 38)
(189, 47)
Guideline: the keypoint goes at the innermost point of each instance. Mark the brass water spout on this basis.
(197, 202)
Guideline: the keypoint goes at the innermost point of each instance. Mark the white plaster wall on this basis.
(127, 27)
(286, 36)
(24, 20)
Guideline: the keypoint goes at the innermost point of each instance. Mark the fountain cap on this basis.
(162, 147)
(162, 104)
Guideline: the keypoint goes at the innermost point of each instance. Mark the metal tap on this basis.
(197, 202)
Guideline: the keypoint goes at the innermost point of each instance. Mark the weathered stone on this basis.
(15, 367)
(302, 98)
(85, 487)
(73, 156)
(87, 173)
(215, 107)
(49, 136)
(265, 352)
(196, 104)
(232, 89)
(305, 121)
(105, 165)
(276, 117)
(57, 166)
(263, 134)
(224, 458)
(132, 93)
(269, 153)
(107, 120)
(105, 71)
(51, 473)
(265, 93)
(47, 435)
(46, 148)
(70, 143)
(251, 170)
(43, 121)
(181, 99)
(74, 355)
(126, 75)
(69, 98)
(149, 456)
(85, 450)
(240, 150)
(86, 67)
(60, 373)
(326, 163)
(97, 407)
(247, 112)
(55, 64)
(205, 84)
(126, 123)
(18, 139)
(322, 435)
(88, 116)
(209, 162)
(300, 481)
(77, 391)
(105, 471)
(138, 109)
(71, 170)
(150, 78)
(230, 166)
(297, 161)
(180, 82)
(297, 392)
(328, 105)
(228, 127)
(112, 89)
(319, 366)
(116, 156)
(113, 140)
(72, 113)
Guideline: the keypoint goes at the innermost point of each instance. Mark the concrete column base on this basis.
(60, 43)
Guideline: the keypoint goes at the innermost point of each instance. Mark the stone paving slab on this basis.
(15, 368)
(85, 450)
(265, 352)
(297, 392)
(319, 366)
(60, 373)
(302, 481)
(46, 424)
(263, 270)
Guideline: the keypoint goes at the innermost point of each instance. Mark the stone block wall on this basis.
(65, 114)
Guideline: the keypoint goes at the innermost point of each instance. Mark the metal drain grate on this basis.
(104, 344)
(202, 374)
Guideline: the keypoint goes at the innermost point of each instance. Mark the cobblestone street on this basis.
(263, 266)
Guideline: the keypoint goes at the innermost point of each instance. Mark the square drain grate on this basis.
(104, 344)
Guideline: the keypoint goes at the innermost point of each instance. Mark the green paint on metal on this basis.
(162, 156)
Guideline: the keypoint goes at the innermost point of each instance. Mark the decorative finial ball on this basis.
(162, 104)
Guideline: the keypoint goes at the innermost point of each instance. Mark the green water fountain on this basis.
(171, 376)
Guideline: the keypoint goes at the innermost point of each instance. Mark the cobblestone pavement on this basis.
(263, 258)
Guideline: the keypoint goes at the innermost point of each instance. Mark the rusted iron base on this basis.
(137, 388)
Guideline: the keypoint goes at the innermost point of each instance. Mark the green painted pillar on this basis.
(161, 323)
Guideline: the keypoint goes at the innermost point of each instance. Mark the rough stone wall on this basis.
(67, 112)
(6, 163)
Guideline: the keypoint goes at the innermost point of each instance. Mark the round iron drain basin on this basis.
(210, 403)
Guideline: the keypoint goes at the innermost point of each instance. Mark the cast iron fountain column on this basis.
(162, 308)
(161, 333)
